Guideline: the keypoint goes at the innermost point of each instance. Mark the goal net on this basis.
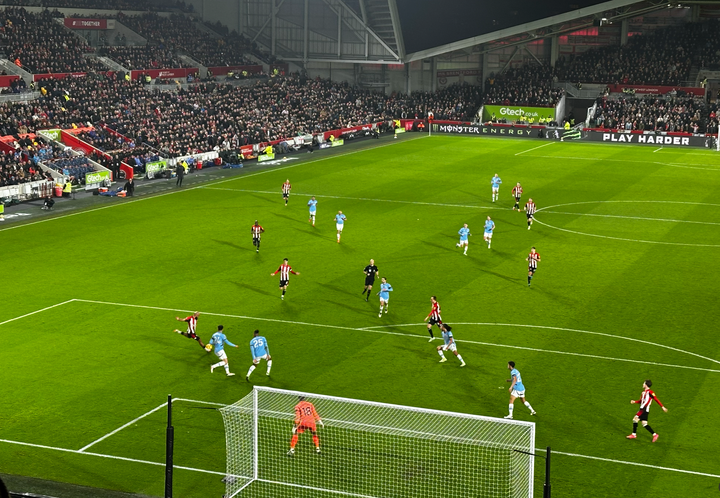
(372, 450)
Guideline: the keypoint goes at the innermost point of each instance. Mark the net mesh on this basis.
(373, 450)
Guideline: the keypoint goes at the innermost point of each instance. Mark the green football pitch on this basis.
(626, 290)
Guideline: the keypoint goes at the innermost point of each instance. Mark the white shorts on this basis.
(258, 358)
(386, 300)
(339, 226)
(452, 347)
(488, 235)
(463, 242)
(495, 190)
(518, 394)
(312, 214)
(221, 354)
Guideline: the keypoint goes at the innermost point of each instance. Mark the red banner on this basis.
(223, 70)
(657, 90)
(6, 80)
(337, 133)
(56, 76)
(181, 72)
(75, 23)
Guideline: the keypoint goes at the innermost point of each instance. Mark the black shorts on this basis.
(644, 415)
(532, 270)
(517, 199)
(192, 335)
(369, 280)
(435, 322)
(256, 240)
(286, 195)
(529, 216)
(284, 283)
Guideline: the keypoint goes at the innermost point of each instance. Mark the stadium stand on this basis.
(18, 168)
(528, 85)
(652, 113)
(144, 57)
(41, 45)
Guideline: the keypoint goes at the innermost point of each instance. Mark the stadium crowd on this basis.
(154, 5)
(144, 57)
(40, 45)
(652, 114)
(528, 85)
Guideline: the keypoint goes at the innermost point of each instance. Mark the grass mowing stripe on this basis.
(419, 203)
(673, 165)
(633, 217)
(375, 331)
(122, 427)
(162, 194)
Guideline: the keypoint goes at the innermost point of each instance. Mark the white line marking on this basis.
(609, 159)
(419, 203)
(704, 474)
(155, 196)
(113, 457)
(374, 330)
(685, 244)
(538, 147)
(659, 148)
(122, 427)
(38, 311)
(634, 218)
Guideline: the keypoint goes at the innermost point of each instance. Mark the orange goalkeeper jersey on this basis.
(305, 414)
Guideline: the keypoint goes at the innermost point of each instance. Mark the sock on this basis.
(364, 291)
(316, 440)
(510, 408)
(227, 367)
(528, 223)
(219, 364)
(269, 367)
(465, 250)
(338, 235)
(529, 407)
(283, 292)
(440, 352)
(649, 429)
(431, 334)
(460, 358)
(293, 441)
(634, 428)
(252, 367)
(529, 278)
(387, 307)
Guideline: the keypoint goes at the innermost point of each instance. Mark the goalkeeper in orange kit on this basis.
(305, 418)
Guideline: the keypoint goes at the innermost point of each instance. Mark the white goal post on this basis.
(373, 450)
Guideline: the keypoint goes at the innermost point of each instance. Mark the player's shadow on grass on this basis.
(231, 244)
(340, 289)
(254, 289)
(439, 246)
(295, 220)
(264, 198)
(347, 306)
(312, 231)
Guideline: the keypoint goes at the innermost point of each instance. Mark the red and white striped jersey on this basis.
(192, 323)
(285, 271)
(286, 188)
(530, 208)
(517, 191)
(435, 312)
(533, 259)
(646, 399)
(257, 230)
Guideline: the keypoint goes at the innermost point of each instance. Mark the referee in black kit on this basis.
(371, 271)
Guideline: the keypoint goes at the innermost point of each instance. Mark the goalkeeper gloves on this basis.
(294, 429)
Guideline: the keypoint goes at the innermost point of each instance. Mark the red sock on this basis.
(293, 441)
(316, 440)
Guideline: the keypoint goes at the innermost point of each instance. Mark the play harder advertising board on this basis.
(515, 113)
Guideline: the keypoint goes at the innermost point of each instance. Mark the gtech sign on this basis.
(513, 113)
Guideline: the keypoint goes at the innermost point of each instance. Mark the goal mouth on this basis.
(370, 449)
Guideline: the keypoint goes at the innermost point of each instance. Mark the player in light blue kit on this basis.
(463, 232)
(449, 344)
(260, 351)
(517, 389)
(489, 227)
(312, 204)
(495, 182)
(218, 341)
(339, 223)
(384, 293)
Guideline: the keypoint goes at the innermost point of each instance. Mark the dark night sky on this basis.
(429, 23)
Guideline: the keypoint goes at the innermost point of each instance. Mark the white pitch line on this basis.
(113, 457)
(155, 196)
(609, 159)
(387, 332)
(636, 464)
(538, 147)
(38, 311)
(659, 148)
(419, 203)
(634, 218)
(122, 427)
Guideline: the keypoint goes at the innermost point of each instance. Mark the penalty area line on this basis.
(375, 330)
(37, 311)
(534, 148)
